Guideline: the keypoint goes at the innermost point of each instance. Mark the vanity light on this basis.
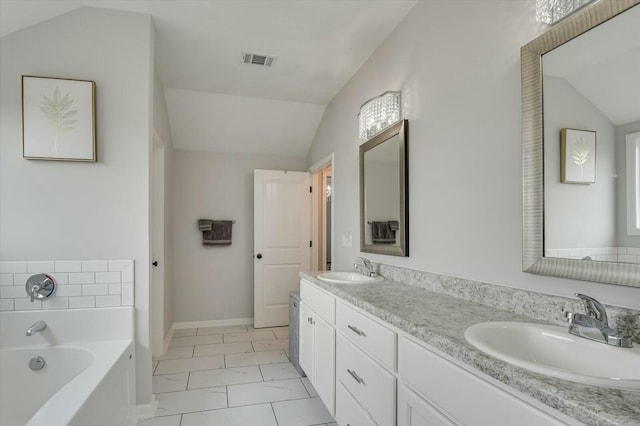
(551, 11)
(378, 113)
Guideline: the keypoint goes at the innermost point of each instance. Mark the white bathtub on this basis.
(89, 376)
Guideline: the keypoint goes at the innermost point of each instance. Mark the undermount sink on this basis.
(552, 351)
(346, 277)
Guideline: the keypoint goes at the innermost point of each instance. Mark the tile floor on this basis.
(233, 376)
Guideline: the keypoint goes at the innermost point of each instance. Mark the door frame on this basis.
(158, 240)
(318, 223)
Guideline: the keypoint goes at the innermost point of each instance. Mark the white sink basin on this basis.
(552, 351)
(345, 277)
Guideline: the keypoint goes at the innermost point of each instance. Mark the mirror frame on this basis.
(533, 260)
(401, 129)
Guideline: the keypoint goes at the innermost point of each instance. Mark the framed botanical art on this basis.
(577, 156)
(58, 119)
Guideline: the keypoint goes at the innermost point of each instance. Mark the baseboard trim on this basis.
(146, 411)
(167, 338)
(211, 323)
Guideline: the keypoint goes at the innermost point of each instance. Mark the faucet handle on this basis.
(594, 308)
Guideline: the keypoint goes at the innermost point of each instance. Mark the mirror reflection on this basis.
(383, 193)
(591, 93)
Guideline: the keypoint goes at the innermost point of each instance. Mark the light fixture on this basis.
(552, 11)
(378, 113)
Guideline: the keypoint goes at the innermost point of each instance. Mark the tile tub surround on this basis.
(81, 284)
(440, 320)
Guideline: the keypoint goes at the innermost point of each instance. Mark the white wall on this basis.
(81, 211)
(215, 283)
(458, 66)
(577, 215)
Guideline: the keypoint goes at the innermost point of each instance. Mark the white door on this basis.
(282, 204)
(415, 411)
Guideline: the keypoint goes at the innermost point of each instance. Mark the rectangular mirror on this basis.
(580, 108)
(384, 221)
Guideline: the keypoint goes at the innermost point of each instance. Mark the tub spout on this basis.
(35, 328)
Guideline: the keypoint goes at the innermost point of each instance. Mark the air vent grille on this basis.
(258, 59)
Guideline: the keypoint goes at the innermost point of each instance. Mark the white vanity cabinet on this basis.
(318, 341)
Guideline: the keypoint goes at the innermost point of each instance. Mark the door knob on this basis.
(259, 256)
(154, 263)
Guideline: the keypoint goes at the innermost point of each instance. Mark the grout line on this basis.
(274, 414)
(305, 388)
(189, 378)
(180, 422)
(260, 369)
(226, 391)
(193, 352)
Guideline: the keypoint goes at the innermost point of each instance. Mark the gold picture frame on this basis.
(58, 119)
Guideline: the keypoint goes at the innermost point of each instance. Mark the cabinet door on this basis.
(306, 340)
(324, 358)
(415, 411)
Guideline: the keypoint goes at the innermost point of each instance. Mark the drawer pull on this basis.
(355, 330)
(356, 377)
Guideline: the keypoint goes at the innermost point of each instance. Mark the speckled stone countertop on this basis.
(440, 321)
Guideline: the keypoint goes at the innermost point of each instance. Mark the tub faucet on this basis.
(594, 325)
(364, 265)
(36, 328)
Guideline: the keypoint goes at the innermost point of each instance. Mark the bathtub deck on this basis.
(234, 375)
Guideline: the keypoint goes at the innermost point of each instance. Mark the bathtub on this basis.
(89, 374)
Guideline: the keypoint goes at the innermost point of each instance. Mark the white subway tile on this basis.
(119, 265)
(27, 305)
(127, 294)
(6, 304)
(633, 250)
(39, 267)
(94, 265)
(564, 253)
(82, 278)
(60, 278)
(6, 279)
(127, 273)
(20, 279)
(82, 302)
(56, 302)
(622, 250)
(114, 289)
(95, 289)
(69, 290)
(107, 277)
(105, 301)
(13, 267)
(11, 292)
(626, 258)
(68, 266)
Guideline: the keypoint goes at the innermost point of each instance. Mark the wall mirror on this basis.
(581, 160)
(384, 224)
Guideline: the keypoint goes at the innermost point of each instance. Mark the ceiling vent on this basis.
(258, 59)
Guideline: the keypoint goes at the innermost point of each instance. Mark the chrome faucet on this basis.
(36, 328)
(364, 265)
(594, 325)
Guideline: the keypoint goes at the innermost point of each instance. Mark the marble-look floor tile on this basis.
(256, 393)
(177, 353)
(161, 421)
(195, 340)
(170, 382)
(253, 415)
(255, 358)
(223, 349)
(301, 412)
(224, 376)
(191, 400)
(251, 328)
(248, 336)
(279, 371)
(307, 384)
(190, 364)
(183, 332)
(222, 329)
(270, 345)
(282, 333)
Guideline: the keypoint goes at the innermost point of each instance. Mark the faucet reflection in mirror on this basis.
(552, 11)
(378, 114)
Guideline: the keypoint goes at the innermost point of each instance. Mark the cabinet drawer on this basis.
(348, 412)
(370, 384)
(323, 304)
(445, 384)
(367, 334)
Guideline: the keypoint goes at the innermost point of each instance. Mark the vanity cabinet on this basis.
(318, 341)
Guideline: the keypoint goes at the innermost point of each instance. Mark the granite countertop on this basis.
(440, 321)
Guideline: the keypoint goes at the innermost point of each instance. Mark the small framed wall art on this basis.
(577, 156)
(58, 119)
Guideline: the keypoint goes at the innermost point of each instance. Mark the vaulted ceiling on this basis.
(318, 45)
